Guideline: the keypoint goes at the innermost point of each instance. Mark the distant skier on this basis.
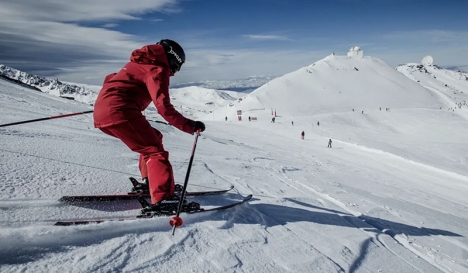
(292, 123)
(302, 135)
(273, 120)
(250, 118)
(225, 118)
(318, 123)
(329, 143)
(118, 113)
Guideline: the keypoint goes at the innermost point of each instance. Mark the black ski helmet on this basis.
(175, 54)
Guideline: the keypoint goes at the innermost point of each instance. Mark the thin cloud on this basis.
(48, 36)
(83, 10)
(434, 36)
(110, 25)
(266, 37)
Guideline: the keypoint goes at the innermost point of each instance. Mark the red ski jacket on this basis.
(125, 94)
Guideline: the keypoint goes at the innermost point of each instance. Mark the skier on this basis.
(329, 143)
(302, 135)
(118, 113)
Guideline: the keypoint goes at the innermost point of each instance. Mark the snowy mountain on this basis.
(197, 101)
(450, 85)
(389, 196)
(340, 84)
(82, 93)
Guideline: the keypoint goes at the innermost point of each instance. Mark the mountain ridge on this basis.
(352, 82)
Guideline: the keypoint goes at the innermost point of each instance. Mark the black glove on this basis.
(199, 126)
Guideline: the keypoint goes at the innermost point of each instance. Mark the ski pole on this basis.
(176, 220)
(40, 119)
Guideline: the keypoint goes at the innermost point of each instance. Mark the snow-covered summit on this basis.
(338, 84)
(444, 82)
(82, 93)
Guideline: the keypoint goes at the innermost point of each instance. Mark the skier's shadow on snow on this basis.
(281, 215)
(274, 215)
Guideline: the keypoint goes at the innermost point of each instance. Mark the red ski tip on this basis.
(176, 221)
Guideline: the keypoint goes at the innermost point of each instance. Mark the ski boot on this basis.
(143, 188)
(139, 188)
(191, 207)
(178, 189)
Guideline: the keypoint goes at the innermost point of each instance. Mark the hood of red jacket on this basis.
(150, 54)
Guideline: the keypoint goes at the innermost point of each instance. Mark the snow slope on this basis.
(451, 86)
(340, 84)
(197, 101)
(390, 196)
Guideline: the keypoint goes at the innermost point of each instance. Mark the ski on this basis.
(129, 196)
(143, 216)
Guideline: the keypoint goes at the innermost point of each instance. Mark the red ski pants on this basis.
(140, 137)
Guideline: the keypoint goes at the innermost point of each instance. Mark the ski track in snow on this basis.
(345, 216)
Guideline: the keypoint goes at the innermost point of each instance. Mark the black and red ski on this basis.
(134, 195)
(143, 216)
(129, 196)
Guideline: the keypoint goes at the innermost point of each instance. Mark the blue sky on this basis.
(82, 41)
